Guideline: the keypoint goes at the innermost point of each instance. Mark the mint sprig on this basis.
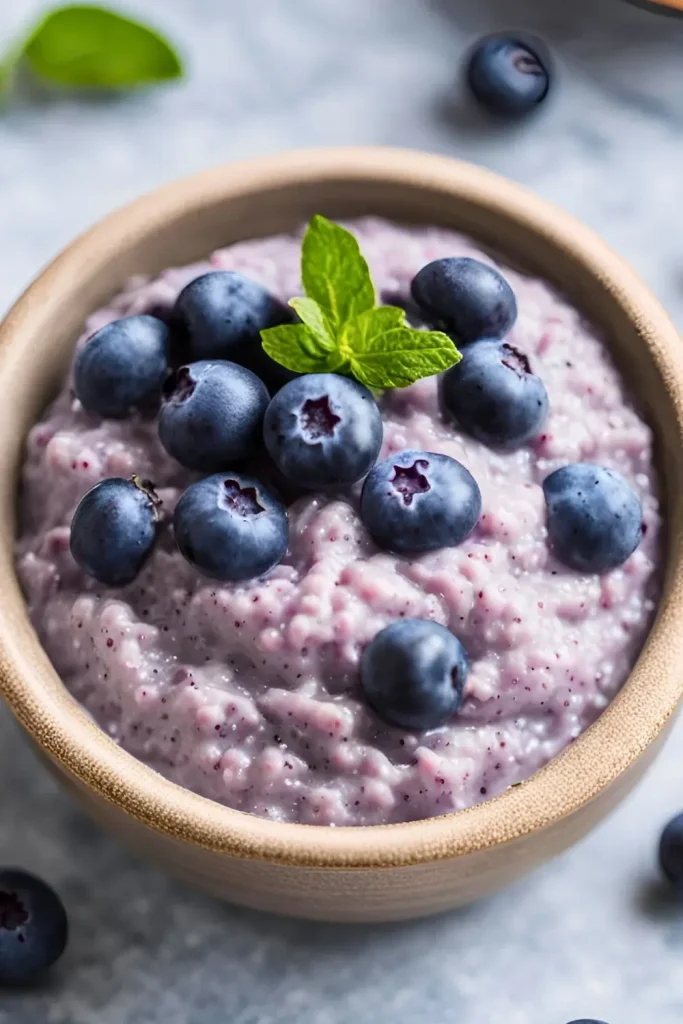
(342, 330)
(84, 46)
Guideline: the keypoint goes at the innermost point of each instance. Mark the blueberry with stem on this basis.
(114, 528)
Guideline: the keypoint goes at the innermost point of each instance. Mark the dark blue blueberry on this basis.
(507, 76)
(595, 518)
(671, 852)
(231, 527)
(585, 1020)
(323, 430)
(114, 528)
(472, 300)
(420, 501)
(413, 674)
(33, 926)
(493, 395)
(220, 316)
(122, 367)
(212, 415)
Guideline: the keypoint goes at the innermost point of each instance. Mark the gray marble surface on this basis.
(590, 935)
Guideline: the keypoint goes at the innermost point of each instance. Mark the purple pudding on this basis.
(249, 693)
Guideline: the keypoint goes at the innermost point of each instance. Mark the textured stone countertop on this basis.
(588, 936)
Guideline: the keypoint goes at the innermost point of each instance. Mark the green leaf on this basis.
(314, 317)
(395, 358)
(334, 271)
(86, 46)
(343, 330)
(369, 325)
(6, 73)
(297, 348)
(8, 69)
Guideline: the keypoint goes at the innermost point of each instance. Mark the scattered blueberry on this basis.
(231, 527)
(671, 852)
(220, 316)
(594, 517)
(471, 299)
(33, 926)
(413, 674)
(212, 415)
(420, 501)
(507, 76)
(493, 395)
(323, 430)
(114, 528)
(122, 366)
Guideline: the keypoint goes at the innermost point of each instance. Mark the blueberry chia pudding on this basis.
(340, 577)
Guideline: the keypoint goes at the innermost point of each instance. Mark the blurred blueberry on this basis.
(671, 852)
(507, 76)
(33, 926)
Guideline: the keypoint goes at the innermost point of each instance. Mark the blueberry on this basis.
(585, 1020)
(472, 300)
(594, 517)
(671, 852)
(493, 395)
(122, 366)
(220, 316)
(507, 76)
(323, 430)
(114, 528)
(413, 674)
(231, 527)
(33, 926)
(212, 415)
(420, 501)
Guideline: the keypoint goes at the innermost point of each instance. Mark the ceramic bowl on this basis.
(366, 873)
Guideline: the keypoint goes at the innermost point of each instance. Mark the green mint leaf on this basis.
(8, 69)
(297, 348)
(313, 315)
(342, 330)
(370, 325)
(85, 46)
(395, 358)
(334, 271)
(6, 74)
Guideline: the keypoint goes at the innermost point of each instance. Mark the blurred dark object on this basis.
(673, 8)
